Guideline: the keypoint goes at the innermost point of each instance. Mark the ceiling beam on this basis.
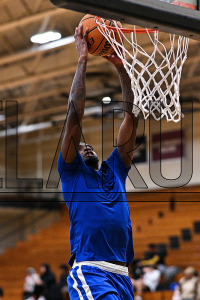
(190, 81)
(4, 2)
(35, 50)
(89, 110)
(38, 78)
(192, 94)
(39, 17)
(57, 44)
(40, 113)
(60, 72)
(62, 90)
(35, 97)
(51, 111)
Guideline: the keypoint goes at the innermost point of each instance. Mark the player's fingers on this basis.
(80, 28)
(86, 33)
(119, 24)
(76, 32)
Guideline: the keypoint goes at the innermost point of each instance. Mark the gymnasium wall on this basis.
(171, 168)
(35, 156)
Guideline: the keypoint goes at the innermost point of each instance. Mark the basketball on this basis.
(98, 45)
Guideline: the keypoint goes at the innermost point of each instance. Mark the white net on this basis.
(155, 76)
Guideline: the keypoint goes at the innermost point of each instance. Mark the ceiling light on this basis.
(46, 37)
(106, 100)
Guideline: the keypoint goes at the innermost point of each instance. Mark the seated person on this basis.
(148, 282)
(31, 279)
(63, 281)
(189, 285)
(156, 256)
(136, 268)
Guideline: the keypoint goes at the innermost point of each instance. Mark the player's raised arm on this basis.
(76, 103)
(127, 132)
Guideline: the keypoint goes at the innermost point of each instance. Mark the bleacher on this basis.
(49, 245)
(150, 227)
(153, 222)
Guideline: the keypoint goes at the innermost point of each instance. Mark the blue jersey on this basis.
(98, 209)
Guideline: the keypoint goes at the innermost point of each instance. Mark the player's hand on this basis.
(114, 59)
(81, 42)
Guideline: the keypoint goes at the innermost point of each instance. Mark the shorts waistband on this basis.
(104, 265)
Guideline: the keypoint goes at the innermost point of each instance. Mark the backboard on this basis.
(179, 17)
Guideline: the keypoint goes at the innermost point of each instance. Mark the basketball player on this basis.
(101, 231)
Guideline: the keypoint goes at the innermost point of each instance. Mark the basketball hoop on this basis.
(155, 77)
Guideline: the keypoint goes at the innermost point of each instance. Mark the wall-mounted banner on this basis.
(168, 145)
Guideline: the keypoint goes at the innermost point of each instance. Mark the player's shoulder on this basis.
(63, 166)
(115, 161)
(114, 155)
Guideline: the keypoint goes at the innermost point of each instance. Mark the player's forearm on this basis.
(78, 90)
(127, 93)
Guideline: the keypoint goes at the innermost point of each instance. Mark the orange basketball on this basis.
(97, 43)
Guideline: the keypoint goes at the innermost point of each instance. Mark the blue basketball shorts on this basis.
(86, 282)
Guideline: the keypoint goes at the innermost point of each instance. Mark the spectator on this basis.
(63, 281)
(189, 284)
(136, 268)
(31, 279)
(176, 294)
(38, 293)
(1, 293)
(60, 290)
(156, 255)
(148, 282)
(48, 278)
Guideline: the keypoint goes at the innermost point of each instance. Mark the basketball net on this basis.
(155, 77)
